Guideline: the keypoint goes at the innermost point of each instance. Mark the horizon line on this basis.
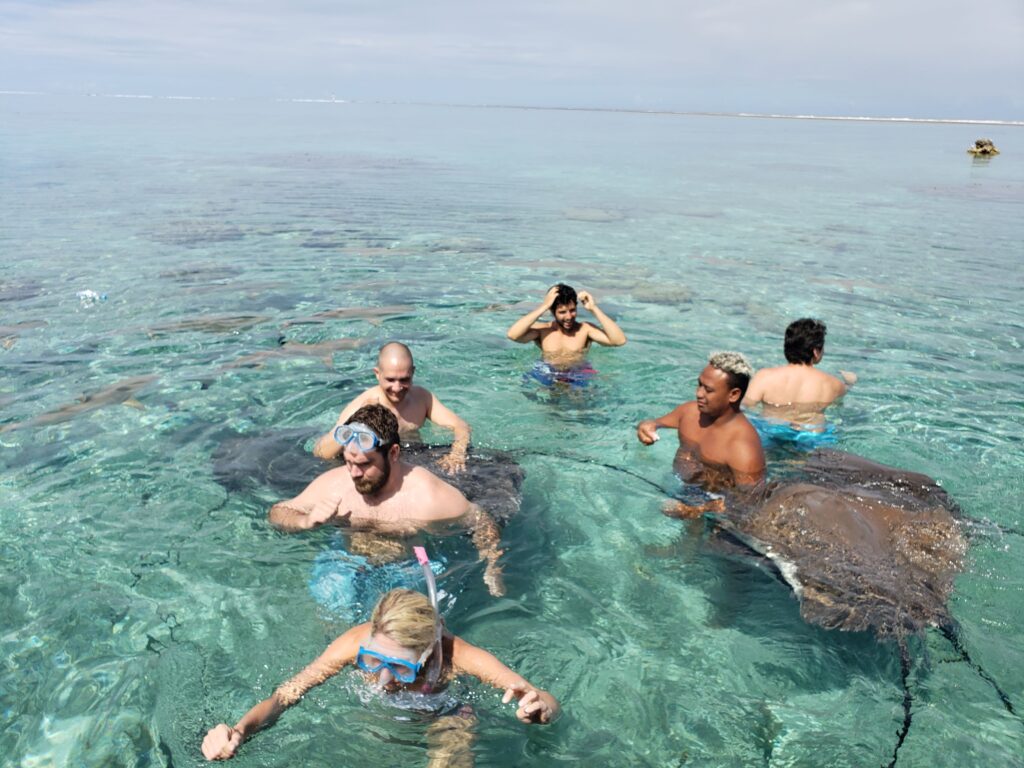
(533, 107)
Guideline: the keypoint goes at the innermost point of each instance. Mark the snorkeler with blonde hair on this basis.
(718, 447)
(404, 647)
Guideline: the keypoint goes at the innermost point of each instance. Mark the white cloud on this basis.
(579, 46)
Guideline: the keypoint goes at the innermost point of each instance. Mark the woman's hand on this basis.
(533, 708)
(221, 742)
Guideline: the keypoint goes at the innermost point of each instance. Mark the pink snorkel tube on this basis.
(437, 657)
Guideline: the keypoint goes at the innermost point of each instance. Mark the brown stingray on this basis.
(121, 393)
(324, 350)
(372, 315)
(213, 324)
(9, 334)
(864, 546)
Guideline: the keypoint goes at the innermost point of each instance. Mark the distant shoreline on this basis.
(622, 110)
(757, 115)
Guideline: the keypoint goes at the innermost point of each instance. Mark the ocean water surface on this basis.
(142, 601)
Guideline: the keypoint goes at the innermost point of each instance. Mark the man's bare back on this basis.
(799, 397)
(798, 392)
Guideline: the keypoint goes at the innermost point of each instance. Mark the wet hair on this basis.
(407, 617)
(803, 336)
(380, 420)
(736, 367)
(566, 295)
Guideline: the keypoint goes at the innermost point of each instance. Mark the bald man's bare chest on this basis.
(411, 412)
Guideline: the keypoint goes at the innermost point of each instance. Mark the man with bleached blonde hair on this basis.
(718, 447)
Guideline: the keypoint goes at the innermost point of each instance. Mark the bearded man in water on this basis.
(564, 341)
(718, 447)
(376, 493)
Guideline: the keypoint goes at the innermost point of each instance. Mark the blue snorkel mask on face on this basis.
(404, 670)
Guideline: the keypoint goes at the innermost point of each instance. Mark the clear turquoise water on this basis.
(140, 603)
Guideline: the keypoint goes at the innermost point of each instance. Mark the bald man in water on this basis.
(411, 405)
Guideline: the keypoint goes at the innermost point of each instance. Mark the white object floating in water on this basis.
(89, 297)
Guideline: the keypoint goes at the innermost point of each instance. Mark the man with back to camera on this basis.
(412, 406)
(798, 391)
(564, 341)
(376, 492)
(718, 447)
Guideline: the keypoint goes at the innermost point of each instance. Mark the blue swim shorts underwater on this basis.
(348, 586)
(548, 375)
(774, 433)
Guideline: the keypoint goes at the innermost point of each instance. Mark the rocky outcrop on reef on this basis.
(983, 148)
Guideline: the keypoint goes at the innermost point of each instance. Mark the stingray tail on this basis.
(908, 699)
(591, 462)
(952, 632)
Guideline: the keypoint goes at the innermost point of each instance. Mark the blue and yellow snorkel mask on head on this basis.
(404, 670)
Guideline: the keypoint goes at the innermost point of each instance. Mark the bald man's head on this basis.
(395, 350)
(394, 371)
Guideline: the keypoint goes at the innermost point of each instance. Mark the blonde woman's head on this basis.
(407, 617)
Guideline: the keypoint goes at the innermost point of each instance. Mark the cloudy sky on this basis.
(921, 58)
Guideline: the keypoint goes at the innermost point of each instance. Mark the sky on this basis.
(905, 58)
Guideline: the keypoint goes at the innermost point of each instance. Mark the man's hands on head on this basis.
(586, 300)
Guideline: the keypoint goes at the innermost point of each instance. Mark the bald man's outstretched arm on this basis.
(455, 461)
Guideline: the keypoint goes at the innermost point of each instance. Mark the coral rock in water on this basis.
(983, 147)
